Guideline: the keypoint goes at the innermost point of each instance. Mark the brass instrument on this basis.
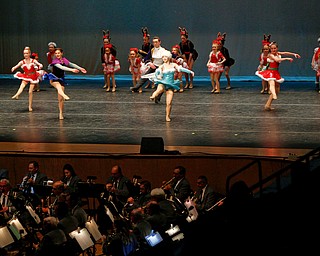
(194, 198)
(170, 182)
(216, 204)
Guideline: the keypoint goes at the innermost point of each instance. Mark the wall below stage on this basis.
(155, 168)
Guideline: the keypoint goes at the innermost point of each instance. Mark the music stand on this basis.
(90, 190)
(42, 191)
(17, 227)
(82, 237)
(5, 237)
(93, 229)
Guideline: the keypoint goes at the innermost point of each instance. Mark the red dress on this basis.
(30, 73)
(271, 73)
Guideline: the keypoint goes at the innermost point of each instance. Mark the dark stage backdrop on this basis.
(77, 26)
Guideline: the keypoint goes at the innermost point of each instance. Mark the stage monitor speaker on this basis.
(152, 145)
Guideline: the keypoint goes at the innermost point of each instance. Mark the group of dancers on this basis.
(154, 63)
(33, 73)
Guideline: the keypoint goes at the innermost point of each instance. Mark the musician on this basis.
(166, 206)
(121, 184)
(59, 195)
(180, 187)
(34, 177)
(52, 239)
(205, 196)
(70, 178)
(7, 208)
(74, 202)
(140, 200)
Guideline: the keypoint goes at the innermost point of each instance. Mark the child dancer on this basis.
(135, 66)
(30, 74)
(57, 78)
(215, 66)
(109, 67)
(315, 64)
(263, 65)
(272, 75)
(178, 58)
(41, 72)
(164, 78)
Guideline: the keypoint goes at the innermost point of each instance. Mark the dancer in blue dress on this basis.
(163, 77)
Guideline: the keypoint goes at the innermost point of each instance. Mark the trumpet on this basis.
(168, 182)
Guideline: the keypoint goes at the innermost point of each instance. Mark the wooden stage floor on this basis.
(233, 122)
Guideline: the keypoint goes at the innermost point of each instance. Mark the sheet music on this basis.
(5, 237)
(15, 223)
(33, 214)
(83, 238)
(93, 229)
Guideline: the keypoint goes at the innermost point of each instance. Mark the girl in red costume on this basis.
(215, 66)
(263, 61)
(315, 64)
(272, 75)
(109, 67)
(29, 75)
(135, 66)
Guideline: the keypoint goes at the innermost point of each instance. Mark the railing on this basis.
(275, 178)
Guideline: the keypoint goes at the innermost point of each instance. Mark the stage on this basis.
(99, 122)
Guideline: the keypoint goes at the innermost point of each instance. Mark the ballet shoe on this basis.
(15, 97)
(168, 119)
(262, 91)
(152, 98)
(114, 89)
(228, 87)
(66, 98)
(60, 117)
(30, 109)
(181, 90)
(186, 86)
(105, 86)
(190, 86)
(108, 90)
(213, 90)
(216, 92)
(140, 90)
(266, 108)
